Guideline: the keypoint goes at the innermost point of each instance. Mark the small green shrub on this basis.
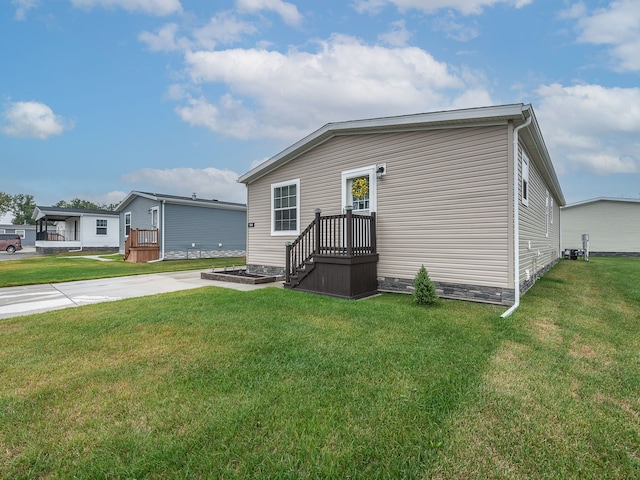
(424, 292)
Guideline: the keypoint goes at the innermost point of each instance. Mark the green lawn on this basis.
(215, 383)
(66, 268)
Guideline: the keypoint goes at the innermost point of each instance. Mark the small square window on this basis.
(101, 227)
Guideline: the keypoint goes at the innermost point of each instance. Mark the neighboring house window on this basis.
(22, 233)
(154, 217)
(551, 209)
(359, 189)
(285, 208)
(127, 223)
(101, 226)
(547, 217)
(2, 230)
(525, 179)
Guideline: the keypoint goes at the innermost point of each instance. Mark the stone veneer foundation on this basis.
(475, 293)
(196, 253)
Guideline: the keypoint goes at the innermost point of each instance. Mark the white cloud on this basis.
(591, 127)
(32, 120)
(286, 95)
(466, 7)
(617, 26)
(287, 11)
(455, 29)
(164, 40)
(22, 7)
(152, 7)
(206, 183)
(397, 36)
(223, 28)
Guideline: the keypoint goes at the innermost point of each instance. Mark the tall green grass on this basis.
(215, 383)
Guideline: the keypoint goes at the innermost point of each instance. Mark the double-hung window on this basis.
(127, 224)
(285, 208)
(525, 179)
(101, 226)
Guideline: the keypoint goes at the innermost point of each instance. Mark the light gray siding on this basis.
(539, 234)
(209, 229)
(140, 216)
(444, 201)
(613, 226)
(190, 230)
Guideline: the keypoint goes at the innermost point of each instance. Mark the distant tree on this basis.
(78, 203)
(85, 205)
(5, 203)
(22, 207)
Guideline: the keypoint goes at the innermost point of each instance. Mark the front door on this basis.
(359, 190)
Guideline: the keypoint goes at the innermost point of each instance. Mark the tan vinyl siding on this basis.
(443, 202)
(613, 226)
(537, 249)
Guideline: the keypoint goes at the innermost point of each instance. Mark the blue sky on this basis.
(101, 97)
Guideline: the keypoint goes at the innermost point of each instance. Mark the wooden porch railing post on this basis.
(317, 249)
(374, 245)
(287, 268)
(349, 235)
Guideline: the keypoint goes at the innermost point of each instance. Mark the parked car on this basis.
(10, 242)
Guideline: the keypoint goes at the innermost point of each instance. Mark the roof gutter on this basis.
(516, 221)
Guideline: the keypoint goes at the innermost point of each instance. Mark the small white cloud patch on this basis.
(32, 120)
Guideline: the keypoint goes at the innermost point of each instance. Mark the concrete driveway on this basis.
(26, 252)
(25, 300)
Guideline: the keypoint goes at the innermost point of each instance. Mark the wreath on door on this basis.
(360, 188)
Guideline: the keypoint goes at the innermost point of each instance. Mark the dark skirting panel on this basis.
(346, 277)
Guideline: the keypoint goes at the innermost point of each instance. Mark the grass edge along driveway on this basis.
(66, 268)
(281, 384)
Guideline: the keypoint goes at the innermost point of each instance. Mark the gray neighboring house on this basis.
(472, 194)
(613, 225)
(27, 233)
(187, 227)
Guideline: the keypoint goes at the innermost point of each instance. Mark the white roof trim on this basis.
(603, 199)
(501, 114)
(199, 202)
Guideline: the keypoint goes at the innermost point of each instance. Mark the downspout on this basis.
(516, 222)
(163, 229)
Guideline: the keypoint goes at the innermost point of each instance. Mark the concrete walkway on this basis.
(25, 300)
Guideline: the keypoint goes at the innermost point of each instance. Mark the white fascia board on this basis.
(602, 199)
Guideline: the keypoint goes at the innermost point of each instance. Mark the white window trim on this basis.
(157, 215)
(373, 186)
(127, 214)
(283, 233)
(22, 233)
(551, 209)
(106, 226)
(525, 179)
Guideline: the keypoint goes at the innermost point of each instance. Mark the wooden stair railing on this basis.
(345, 235)
(140, 238)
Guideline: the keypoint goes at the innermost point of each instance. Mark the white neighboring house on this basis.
(74, 229)
(613, 225)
